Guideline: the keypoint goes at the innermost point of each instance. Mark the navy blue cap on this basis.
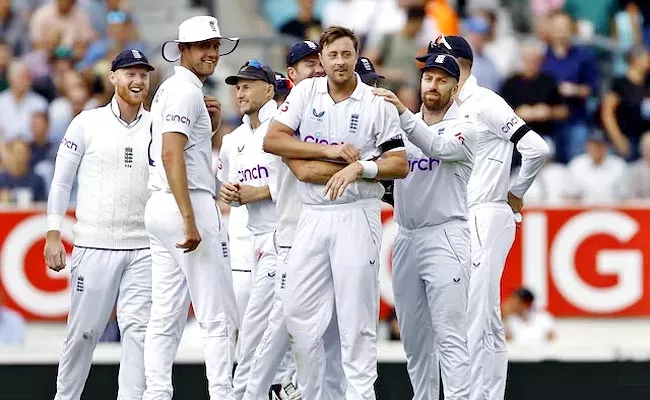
(301, 50)
(253, 70)
(367, 71)
(445, 62)
(455, 45)
(130, 58)
(283, 84)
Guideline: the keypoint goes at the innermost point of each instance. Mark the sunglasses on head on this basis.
(440, 45)
(255, 64)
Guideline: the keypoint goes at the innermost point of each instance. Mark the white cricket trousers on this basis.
(202, 276)
(242, 262)
(272, 349)
(492, 227)
(99, 277)
(334, 265)
(430, 284)
(256, 316)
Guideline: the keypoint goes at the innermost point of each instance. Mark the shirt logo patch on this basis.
(69, 144)
(354, 123)
(441, 131)
(213, 26)
(440, 59)
(318, 116)
(509, 124)
(128, 157)
(177, 118)
(240, 149)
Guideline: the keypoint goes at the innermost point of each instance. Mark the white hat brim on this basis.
(173, 54)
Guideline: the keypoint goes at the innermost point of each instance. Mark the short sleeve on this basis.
(291, 111)
(223, 165)
(180, 113)
(500, 117)
(73, 144)
(389, 127)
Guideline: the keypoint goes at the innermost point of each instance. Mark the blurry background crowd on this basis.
(575, 70)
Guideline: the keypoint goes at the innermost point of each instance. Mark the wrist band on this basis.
(370, 169)
(54, 222)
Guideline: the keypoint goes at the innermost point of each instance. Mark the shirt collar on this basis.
(266, 112)
(468, 89)
(115, 109)
(188, 75)
(356, 94)
(452, 112)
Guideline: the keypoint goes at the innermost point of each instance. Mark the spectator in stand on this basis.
(358, 15)
(639, 181)
(120, 37)
(98, 9)
(526, 324)
(625, 110)
(63, 18)
(43, 152)
(541, 11)
(393, 56)
(592, 16)
(18, 103)
(550, 185)
(13, 28)
(75, 99)
(627, 32)
(19, 185)
(50, 86)
(12, 326)
(305, 25)
(575, 68)
(483, 68)
(597, 176)
(5, 59)
(501, 45)
(533, 94)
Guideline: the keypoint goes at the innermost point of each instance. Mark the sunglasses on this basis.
(440, 45)
(255, 64)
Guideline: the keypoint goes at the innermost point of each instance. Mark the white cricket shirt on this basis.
(287, 204)
(496, 122)
(178, 106)
(246, 162)
(111, 156)
(238, 217)
(363, 119)
(440, 159)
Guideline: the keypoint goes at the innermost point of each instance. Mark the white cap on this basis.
(198, 29)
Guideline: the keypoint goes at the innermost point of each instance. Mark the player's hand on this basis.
(54, 252)
(346, 152)
(214, 109)
(229, 193)
(391, 98)
(248, 194)
(340, 180)
(192, 236)
(515, 202)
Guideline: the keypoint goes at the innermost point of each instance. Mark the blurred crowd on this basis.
(575, 70)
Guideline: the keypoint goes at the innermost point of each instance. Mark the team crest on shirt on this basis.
(128, 157)
(354, 123)
(317, 116)
(441, 131)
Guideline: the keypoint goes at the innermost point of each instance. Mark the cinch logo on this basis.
(317, 139)
(69, 144)
(257, 172)
(177, 118)
(509, 124)
(422, 164)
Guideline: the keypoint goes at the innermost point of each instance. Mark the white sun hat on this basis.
(198, 29)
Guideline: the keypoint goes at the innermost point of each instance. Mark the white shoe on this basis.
(290, 392)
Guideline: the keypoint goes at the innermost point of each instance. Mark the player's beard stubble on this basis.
(433, 100)
(133, 99)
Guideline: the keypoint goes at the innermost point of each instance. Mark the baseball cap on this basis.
(130, 58)
(366, 70)
(445, 62)
(454, 45)
(198, 29)
(283, 85)
(301, 50)
(255, 70)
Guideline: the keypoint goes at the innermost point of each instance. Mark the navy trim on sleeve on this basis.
(516, 137)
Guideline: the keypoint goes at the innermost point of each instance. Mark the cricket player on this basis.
(333, 260)
(493, 199)
(431, 256)
(106, 148)
(302, 62)
(250, 180)
(189, 261)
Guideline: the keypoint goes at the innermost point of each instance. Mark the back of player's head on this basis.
(333, 33)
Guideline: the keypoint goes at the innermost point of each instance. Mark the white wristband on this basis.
(370, 169)
(54, 222)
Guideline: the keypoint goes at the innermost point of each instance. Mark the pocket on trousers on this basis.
(77, 257)
(459, 243)
(375, 236)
